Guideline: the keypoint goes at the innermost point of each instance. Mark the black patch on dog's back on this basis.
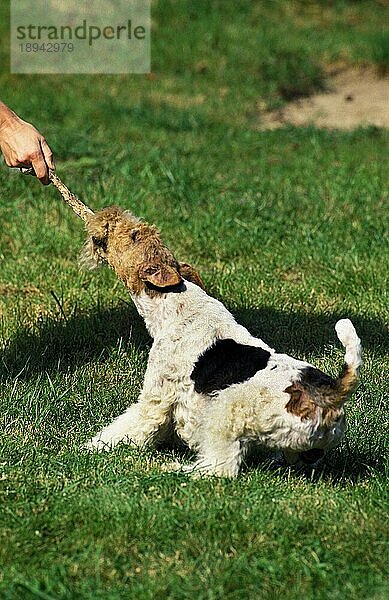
(312, 377)
(226, 363)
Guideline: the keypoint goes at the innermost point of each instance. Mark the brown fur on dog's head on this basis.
(133, 249)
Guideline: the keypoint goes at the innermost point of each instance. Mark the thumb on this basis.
(47, 153)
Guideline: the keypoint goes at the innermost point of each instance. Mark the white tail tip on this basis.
(346, 332)
(348, 337)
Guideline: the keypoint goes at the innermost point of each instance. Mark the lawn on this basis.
(287, 227)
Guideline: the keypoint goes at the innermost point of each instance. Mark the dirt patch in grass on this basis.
(355, 97)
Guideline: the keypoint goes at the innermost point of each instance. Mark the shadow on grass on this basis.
(299, 333)
(58, 346)
(342, 465)
(65, 345)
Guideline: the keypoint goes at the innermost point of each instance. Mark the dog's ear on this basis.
(160, 275)
(95, 249)
(94, 252)
(190, 274)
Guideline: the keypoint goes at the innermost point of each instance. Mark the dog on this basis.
(207, 377)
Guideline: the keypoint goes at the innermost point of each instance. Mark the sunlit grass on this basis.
(288, 228)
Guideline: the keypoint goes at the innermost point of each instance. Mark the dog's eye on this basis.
(100, 243)
(134, 234)
(151, 270)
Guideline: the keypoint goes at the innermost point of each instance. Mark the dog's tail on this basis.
(314, 388)
(346, 381)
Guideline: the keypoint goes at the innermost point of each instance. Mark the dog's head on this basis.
(135, 252)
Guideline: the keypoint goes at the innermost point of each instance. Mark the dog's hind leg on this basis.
(142, 423)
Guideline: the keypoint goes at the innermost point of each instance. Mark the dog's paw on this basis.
(172, 467)
(191, 471)
(176, 467)
(201, 470)
(96, 445)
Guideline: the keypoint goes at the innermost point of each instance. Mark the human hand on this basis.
(23, 146)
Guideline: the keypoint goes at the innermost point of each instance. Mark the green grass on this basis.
(380, 52)
(287, 227)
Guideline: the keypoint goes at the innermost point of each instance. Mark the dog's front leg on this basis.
(138, 425)
(220, 457)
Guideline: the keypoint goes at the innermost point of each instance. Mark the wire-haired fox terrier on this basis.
(219, 387)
